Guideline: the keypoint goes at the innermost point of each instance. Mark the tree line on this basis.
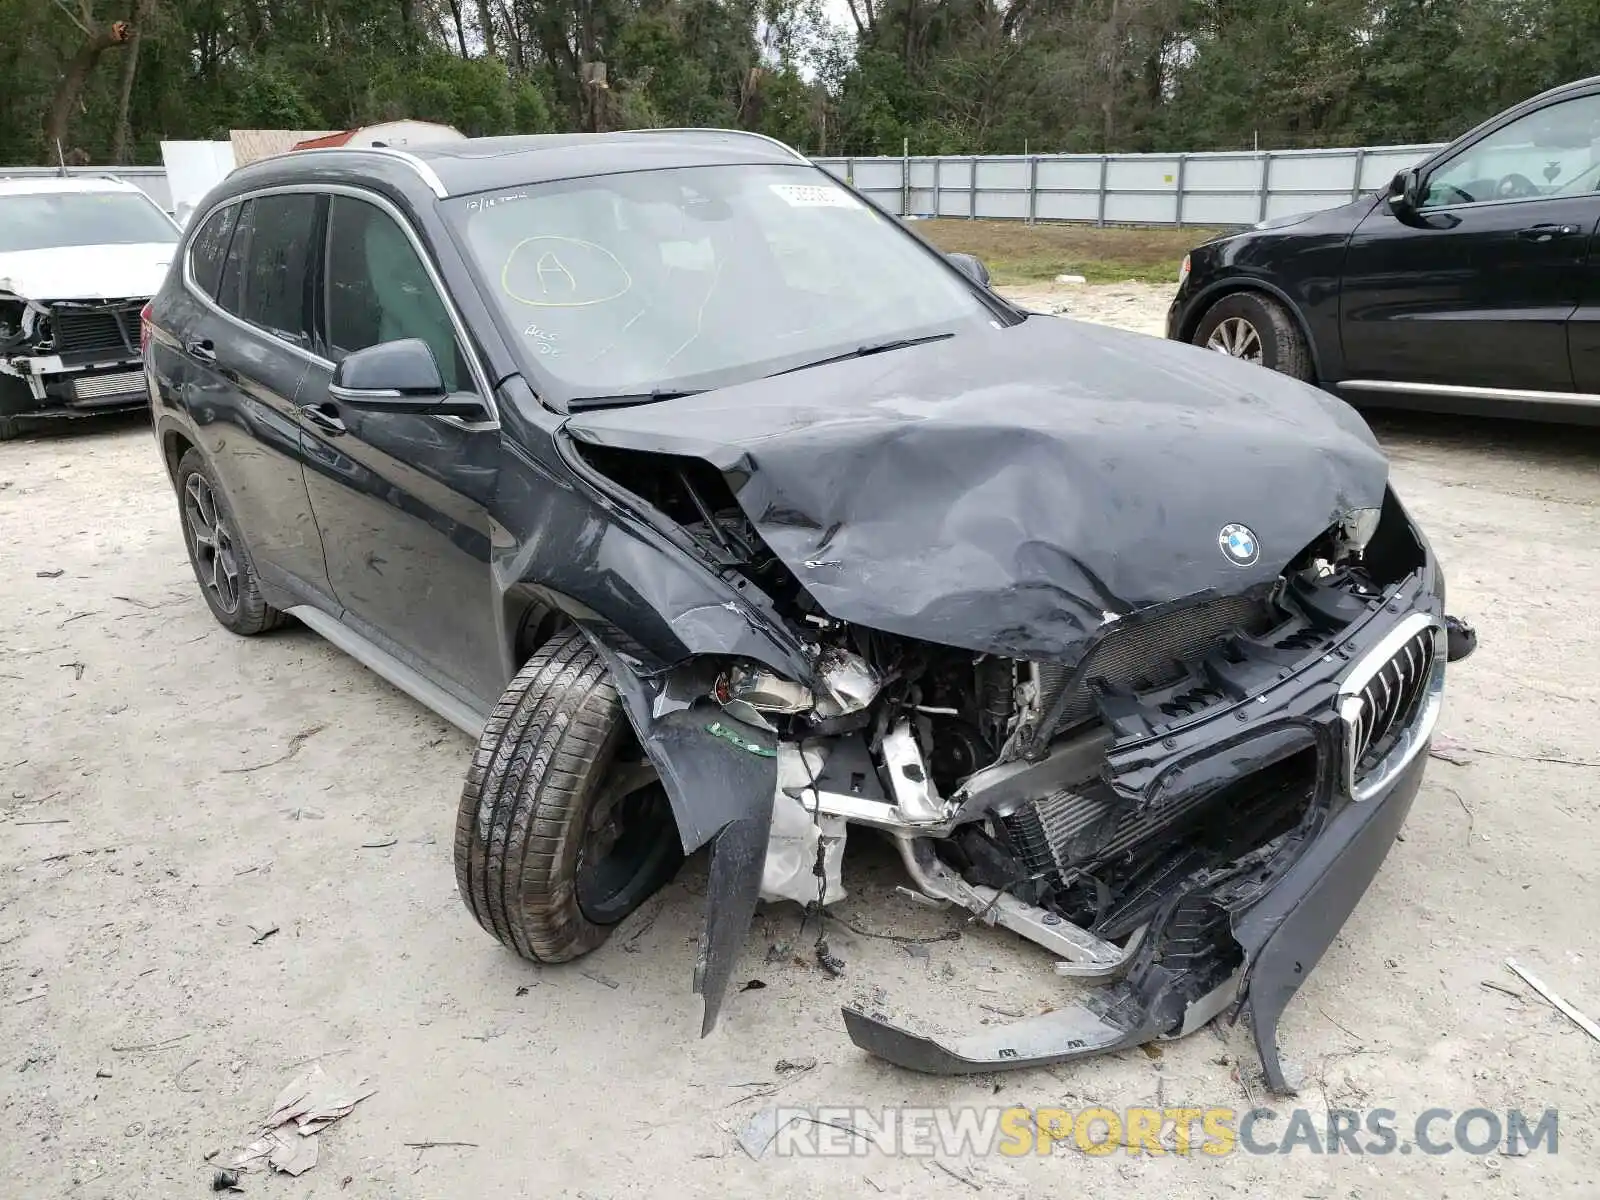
(107, 80)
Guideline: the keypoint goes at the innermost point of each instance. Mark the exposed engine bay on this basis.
(1090, 803)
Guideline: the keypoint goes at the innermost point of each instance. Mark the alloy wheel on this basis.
(216, 558)
(1237, 338)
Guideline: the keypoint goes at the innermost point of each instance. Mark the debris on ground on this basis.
(830, 963)
(311, 1102)
(225, 1181)
(789, 1066)
(261, 934)
(56, 574)
(1450, 750)
(754, 985)
(604, 980)
(1071, 279)
(1572, 1014)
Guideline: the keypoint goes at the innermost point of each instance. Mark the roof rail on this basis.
(784, 146)
(428, 175)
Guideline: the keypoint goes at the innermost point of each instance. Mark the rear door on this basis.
(246, 349)
(1476, 287)
(401, 500)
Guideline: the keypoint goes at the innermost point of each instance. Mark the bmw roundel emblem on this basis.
(1239, 545)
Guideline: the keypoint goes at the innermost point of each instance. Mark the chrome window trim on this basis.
(1473, 205)
(1589, 399)
(479, 376)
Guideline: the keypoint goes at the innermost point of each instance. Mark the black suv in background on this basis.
(724, 512)
(1471, 285)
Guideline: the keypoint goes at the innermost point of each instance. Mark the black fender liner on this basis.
(721, 777)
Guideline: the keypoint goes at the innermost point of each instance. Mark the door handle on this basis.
(1546, 233)
(324, 416)
(201, 350)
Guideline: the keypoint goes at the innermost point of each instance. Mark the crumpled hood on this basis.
(1007, 491)
(87, 272)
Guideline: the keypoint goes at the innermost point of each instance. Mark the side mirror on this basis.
(971, 267)
(1405, 192)
(399, 377)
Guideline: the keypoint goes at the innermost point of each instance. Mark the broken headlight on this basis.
(11, 314)
(1358, 525)
(845, 683)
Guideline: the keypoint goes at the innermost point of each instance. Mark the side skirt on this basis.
(380, 662)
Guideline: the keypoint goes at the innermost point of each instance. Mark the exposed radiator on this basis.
(1078, 827)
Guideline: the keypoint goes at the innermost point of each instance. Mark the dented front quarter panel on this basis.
(585, 551)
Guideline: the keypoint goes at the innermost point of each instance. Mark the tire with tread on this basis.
(1283, 346)
(526, 805)
(253, 614)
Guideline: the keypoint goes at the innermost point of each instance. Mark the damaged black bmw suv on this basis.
(726, 512)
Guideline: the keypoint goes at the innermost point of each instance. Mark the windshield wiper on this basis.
(873, 348)
(584, 403)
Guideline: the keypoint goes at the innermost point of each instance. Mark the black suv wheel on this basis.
(1256, 329)
(563, 828)
(221, 562)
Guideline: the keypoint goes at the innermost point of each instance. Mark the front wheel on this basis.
(564, 828)
(1257, 329)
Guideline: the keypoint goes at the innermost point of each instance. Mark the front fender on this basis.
(721, 776)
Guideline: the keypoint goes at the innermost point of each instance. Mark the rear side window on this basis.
(231, 286)
(276, 269)
(210, 247)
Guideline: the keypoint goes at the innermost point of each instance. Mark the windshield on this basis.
(51, 220)
(673, 280)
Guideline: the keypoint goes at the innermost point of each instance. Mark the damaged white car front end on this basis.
(79, 259)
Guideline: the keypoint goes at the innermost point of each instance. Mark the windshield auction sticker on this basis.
(810, 195)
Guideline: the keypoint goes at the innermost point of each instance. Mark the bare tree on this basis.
(97, 39)
(143, 10)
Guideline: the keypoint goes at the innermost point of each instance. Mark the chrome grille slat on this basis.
(1389, 700)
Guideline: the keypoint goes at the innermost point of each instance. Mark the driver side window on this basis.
(379, 291)
(1554, 149)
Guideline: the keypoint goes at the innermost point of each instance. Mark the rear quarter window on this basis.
(210, 247)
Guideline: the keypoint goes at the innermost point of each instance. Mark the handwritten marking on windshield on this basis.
(484, 203)
(586, 286)
(543, 341)
(551, 266)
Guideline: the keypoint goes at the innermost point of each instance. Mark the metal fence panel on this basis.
(1222, 188)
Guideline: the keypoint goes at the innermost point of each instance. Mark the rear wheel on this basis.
(221, 562)
(564, 828)
(1257, 329)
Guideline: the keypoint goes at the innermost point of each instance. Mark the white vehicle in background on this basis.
(79, 258)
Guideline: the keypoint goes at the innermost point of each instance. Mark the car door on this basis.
(246, 350)
(401, 500)
(1474, 287)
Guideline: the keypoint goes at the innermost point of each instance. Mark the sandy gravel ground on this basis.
(169, 794)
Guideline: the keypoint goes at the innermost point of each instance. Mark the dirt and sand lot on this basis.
(221, 859)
